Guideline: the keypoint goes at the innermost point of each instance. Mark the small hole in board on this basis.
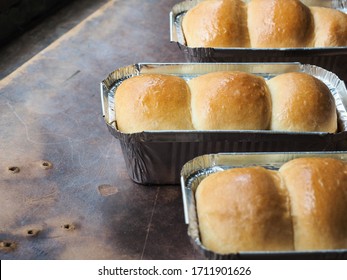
(68, 227)
(32, 232)
(14, 169)
(46, 165)
(7, 245)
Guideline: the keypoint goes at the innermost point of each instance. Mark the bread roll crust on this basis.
(317, 189)
(216, 23)
(244, 209)
(279, 24)
(330, 27)
(153, 102)
(230, 100)
(301, 102)
(263, 24)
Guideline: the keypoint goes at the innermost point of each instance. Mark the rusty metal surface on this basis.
(65, 191)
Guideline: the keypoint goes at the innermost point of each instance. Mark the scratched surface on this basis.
(65, 191)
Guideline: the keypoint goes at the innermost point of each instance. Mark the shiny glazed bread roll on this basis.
(301, 102)
(216, 23)
(263, 24)
(244, 209)
(153, 102)
(230, 100)
(317, 189)
(279, 23)
(330, 27)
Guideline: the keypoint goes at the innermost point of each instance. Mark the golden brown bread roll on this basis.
(216, 23)
(302, 206)
(263, 24)
(318, 193)
(153, 102)
(330, 27)
(279, 23)
(301, 102)
(244, 209)
(230, 100)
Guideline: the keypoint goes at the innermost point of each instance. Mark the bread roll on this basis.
(230, 100)
(153, 102)
(216, 23)
(318, 193)
(330, 27)
(302, 103)
(244, 209)
(279, 23)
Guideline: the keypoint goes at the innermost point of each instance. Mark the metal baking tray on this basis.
(156, 157)
(194, 171)
(333, 59)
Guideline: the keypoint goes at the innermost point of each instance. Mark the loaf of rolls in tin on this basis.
(225, 100)
(302, 206)
(263, 24)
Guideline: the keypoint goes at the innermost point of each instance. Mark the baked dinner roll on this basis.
(230, 100)
(301, 102)
(279, 23)
(216, 23)
(153, 102)
(244, 209)
(317, 189)
(330, 27)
